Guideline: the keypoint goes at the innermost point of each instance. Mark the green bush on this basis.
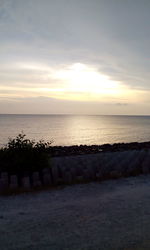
(21, 155)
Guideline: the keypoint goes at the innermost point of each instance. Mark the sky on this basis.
(75, 57)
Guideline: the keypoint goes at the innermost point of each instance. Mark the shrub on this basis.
(21, 155)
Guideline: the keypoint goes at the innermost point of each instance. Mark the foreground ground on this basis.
(109, 215)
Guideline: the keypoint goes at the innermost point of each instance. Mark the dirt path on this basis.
(109, 215)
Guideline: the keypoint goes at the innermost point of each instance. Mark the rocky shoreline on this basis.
(92, 149)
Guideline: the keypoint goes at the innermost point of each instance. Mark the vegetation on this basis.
(23, 156)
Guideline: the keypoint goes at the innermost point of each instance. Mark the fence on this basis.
(81, 168)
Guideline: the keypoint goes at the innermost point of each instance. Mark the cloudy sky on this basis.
(75, 56)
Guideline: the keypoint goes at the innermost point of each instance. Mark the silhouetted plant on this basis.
(23, 155)
(20, 142)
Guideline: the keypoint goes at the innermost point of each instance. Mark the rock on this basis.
(86, 175)
(67, 178)
(25, 182)
(3, 181)
(115, 174)
(47, 180)
(4, 175)
(36, 179)
(13, 182)
(146, 167)
(55, 175)
(80, 179)
(3, 185)
(73, 173)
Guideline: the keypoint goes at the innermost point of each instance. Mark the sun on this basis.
(88, 80)
(80, 78)
(83, 82)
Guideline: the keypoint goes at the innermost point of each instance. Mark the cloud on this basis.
(121, 104)
(111, 36)
(46, 105)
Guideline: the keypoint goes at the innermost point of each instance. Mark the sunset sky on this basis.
(75, 56)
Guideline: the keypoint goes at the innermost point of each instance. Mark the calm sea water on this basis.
(76, 130)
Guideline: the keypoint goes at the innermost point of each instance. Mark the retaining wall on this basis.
(81, 168)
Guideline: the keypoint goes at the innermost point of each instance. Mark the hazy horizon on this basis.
(65, 114)
(75, 57)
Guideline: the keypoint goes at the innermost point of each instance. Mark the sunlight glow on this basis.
(84, 79)
(77, 81)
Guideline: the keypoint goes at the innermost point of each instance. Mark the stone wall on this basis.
(81, 168)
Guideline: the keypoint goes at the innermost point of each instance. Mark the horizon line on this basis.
(74, 114)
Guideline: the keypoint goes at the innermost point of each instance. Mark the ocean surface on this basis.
(76, 129)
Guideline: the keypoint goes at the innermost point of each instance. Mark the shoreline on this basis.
(92, 149)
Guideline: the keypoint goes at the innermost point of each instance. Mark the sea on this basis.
(66, 130)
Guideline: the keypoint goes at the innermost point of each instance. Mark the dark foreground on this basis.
(109, 215)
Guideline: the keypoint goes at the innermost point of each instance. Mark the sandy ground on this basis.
(110, 215)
